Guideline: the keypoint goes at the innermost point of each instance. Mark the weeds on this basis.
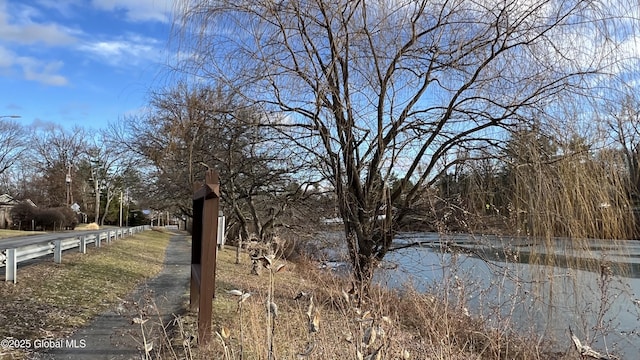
(242, 296)
(317, 319)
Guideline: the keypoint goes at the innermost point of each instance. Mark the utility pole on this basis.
(68, 183)
(120, 208)
(96, 188)
(127, 218)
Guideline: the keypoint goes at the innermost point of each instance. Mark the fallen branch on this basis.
(586, 352)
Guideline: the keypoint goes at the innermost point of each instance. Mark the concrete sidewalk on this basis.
(113, 334)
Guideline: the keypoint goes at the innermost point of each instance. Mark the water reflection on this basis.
(591, 287)
(622, 256)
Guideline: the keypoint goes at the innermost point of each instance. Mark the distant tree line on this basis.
(55, 168)
(539, 184)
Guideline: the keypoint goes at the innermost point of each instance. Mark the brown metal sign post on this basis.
(206, 202)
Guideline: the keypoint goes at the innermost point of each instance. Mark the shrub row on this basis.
(27, 217)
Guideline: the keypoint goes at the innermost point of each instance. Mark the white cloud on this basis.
(18, 28)
(26, 32)
(131, 50)
(6, 58)
(66, 8)
(138, 10)
(41, 72)
(23, 30)
(38, 123)
(630, 47)
(33, 69)
(49, 34)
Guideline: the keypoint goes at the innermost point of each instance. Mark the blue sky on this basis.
(81, 62)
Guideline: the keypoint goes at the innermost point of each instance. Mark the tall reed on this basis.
(570, 200)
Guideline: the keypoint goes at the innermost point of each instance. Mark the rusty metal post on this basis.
(206, 202)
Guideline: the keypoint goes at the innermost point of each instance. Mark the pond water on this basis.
(594, 287)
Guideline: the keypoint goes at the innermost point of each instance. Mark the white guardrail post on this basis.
(11, 267)
(83, 244)
(62, 245)
(57, 251)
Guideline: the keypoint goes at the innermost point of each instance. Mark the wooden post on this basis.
(206, 202)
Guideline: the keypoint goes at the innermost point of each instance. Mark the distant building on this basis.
(7, 202)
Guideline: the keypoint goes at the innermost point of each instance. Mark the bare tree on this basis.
(115, 169)
(180, 138)
(108, 164)
(54, 154)
(623, 122)
(376, 88)
(12, 143)
(193, 128)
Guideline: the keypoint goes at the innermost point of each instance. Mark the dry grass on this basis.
(50, 300)
(391, 325)
(90, 226)
(404, 326)
(12, 233)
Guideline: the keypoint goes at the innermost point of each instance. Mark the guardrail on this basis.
(10, 258)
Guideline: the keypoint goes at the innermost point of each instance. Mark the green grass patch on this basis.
(53, 299)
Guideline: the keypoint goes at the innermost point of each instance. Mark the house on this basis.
(6, 204)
